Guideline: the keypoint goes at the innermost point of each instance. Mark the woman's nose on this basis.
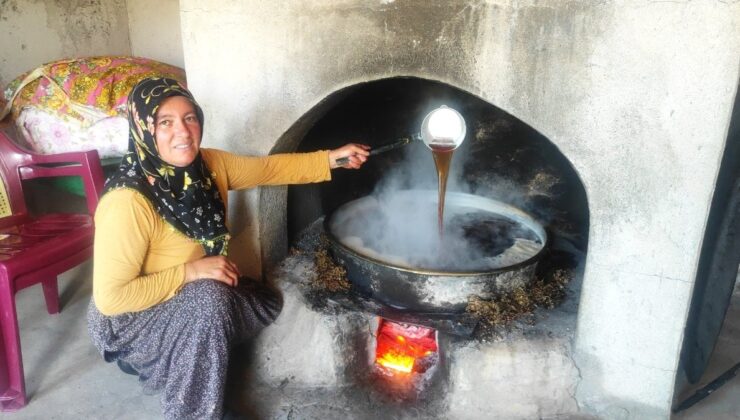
(180, 125)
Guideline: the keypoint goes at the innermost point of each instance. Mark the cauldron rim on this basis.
(336, 242)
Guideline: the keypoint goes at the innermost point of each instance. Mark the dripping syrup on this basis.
(442, 157)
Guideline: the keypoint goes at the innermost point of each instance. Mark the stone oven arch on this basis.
(502, 157)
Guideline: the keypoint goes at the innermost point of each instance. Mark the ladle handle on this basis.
(384, 148)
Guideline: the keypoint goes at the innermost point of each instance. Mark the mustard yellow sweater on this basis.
(140, 259)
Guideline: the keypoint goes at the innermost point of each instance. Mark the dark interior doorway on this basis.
(718, 264)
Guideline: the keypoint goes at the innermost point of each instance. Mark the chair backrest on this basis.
(12, 157)
(17, 165)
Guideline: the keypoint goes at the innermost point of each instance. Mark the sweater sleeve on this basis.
(124, 225)
(290, 168)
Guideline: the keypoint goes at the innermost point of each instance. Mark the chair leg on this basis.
(12, 382)
(51, 295)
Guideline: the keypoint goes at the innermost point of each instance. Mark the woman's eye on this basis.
(191, 119)
(165, 123)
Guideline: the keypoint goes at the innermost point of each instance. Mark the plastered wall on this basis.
(33, 32)
(154, 30)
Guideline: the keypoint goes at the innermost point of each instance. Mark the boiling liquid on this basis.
(442, 158)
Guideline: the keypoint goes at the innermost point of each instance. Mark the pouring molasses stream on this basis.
(442, 131)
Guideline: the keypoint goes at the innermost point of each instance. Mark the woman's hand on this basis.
(217, 268)
(355, 153)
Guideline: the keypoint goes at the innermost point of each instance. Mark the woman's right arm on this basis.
(124, 225)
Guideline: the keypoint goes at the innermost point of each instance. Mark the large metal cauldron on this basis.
(431, 290)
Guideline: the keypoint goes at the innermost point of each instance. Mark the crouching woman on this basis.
(168, 305)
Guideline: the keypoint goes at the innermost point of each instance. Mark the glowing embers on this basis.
(405, 348)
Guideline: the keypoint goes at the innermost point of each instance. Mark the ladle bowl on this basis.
(443, 128)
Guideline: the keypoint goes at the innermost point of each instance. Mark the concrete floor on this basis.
(65, 376)
(67, 379)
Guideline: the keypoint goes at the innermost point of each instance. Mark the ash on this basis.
(351, 402)
(499, 316)
(309, 265)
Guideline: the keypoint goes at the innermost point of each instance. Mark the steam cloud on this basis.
(397, 224)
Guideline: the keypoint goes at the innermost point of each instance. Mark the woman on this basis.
(168, 305)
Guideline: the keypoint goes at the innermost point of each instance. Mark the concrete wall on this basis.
(34, 32)
(637, 94)
(154, 30)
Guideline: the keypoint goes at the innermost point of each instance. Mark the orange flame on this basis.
(400, 362)
(398, 352)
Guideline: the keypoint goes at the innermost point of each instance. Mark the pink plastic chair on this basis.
(36, 250)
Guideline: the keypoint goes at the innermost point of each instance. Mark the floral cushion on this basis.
(79, 104)
(46, 133)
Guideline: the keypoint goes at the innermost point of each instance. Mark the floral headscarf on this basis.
(187, 197)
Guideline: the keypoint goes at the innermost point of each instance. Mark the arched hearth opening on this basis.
(502, 158)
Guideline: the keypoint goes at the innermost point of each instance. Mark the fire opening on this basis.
(405, 348)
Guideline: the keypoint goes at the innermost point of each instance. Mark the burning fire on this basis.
(400, 346)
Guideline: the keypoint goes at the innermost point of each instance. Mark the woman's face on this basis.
(177, 131)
